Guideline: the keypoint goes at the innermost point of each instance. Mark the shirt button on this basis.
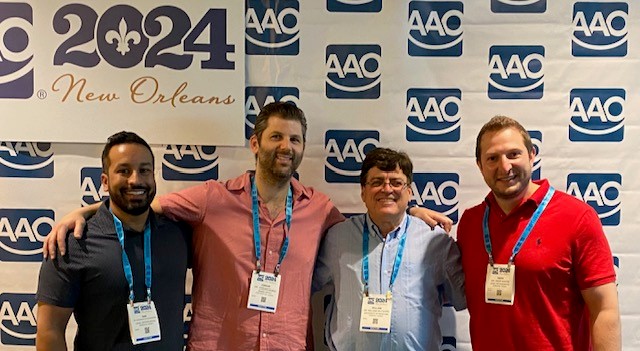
(264, 335)
(270, 252)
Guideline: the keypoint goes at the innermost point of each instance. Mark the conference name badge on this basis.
(144, 325)
(264, 291)
(375, 315)
(500, 287)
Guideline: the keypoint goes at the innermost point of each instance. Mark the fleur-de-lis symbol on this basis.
(122, 37)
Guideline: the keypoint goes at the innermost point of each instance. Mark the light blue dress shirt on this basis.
(430, 271)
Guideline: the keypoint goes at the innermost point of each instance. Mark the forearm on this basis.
(605, 330)
(156, 207)
(50, 340)
(89, 210)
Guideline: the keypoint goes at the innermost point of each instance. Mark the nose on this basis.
(505, 164)
(285, 144)
(386, 187)
(134, 177)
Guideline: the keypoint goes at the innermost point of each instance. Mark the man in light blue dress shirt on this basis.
(397, 259)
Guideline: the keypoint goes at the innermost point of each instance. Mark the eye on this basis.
(397, 183)
(123, 171)
(376, 183)
(146, 171)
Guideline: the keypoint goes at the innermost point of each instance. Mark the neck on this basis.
(507, 205)
(271, 190)
(134, 222)
(386, 224)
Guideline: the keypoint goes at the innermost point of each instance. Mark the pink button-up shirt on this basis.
(224, 258)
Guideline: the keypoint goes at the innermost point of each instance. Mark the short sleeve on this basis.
(60, 279)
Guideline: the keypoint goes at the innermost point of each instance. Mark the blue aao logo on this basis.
(435, 28)
(536, 139)
(600, 191)
(345, 150)
(437, 191)
(433, 114)
(26, 160)
(257, 97)
(18, 319)
(516, 72)
(354, 5)
(518, 6)
(22, 232)
(600, 29)
(597, 115)
(272, 27)
(189, 162)
(353, 71)
(16, 54)
(91, 190)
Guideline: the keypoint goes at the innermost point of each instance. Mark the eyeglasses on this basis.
(395, 184)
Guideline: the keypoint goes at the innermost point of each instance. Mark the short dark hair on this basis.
(284, 110)
(118, 139)
(386, 160)
(498, 123)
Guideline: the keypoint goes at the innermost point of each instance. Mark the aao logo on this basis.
(536, 139)
(189, 162)
(91, 189)
(353, 71)
(257, 97)
(16, 55)
(600, 29)
(18, 319)
(345, 150)
(26, 160)
(272, 27)
(354, 5)
(433, 114)
(435, 28)
(22, 232)
(437, 191)
(600, 191)
(516, 72)
(597, 114)
(518, 6)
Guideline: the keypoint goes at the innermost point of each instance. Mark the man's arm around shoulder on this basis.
(604, 317)
(52, 323)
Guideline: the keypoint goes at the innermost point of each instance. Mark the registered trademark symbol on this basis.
(41, 94)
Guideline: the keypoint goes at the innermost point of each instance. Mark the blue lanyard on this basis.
(256, 226)
(525, 232)
(365, 256)
(125, 259)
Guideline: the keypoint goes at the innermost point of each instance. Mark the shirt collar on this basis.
(243, 183)
(396, 233)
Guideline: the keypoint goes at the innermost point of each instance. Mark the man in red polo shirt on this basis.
(539, 271)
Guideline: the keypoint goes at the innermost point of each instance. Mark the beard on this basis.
(271, 167)
(133, 207)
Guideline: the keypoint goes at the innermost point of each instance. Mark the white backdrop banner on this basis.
(419, 76)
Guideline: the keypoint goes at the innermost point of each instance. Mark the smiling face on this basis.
(279, 150)
(129, 179)
(386, 194)
(506, 164)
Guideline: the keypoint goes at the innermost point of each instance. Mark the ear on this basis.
(254, 144)
(479, 165)
(532, 156)
(104, 180)
(362, 193)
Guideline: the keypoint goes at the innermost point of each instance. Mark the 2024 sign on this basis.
(122, 34)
